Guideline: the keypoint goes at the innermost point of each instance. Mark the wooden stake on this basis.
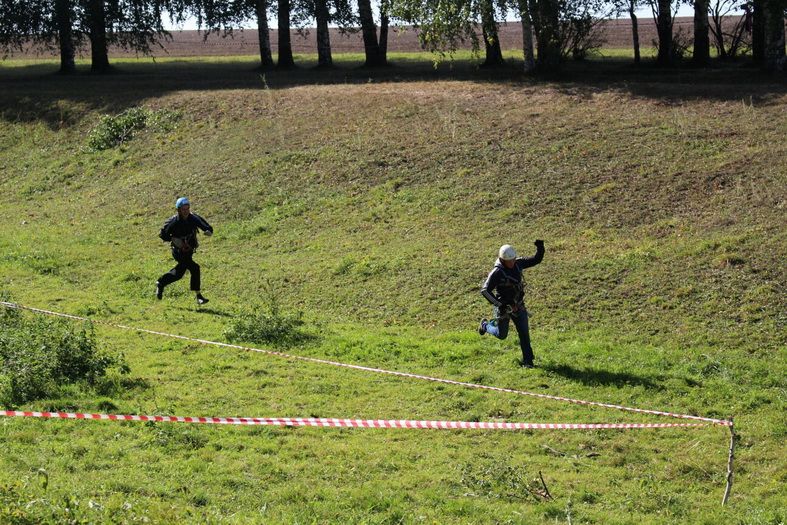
(729, 464)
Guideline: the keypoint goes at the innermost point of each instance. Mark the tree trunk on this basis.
(701, 55)
(266, 56)
(65, 37)
(369, 30)
(321, 15)
(99, 59)
(384, 23)
(545, 21)
(285, 44)
(774, 35)
(738, 35)
(664, 30)
(758, 32)
(635, 30)
(494, 55)
(718, 35)
(527, 37)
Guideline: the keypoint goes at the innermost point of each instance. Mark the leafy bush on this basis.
(113, 131)
(579, 27)
(580, 36)
(38, 356)
(731, 36)
(267, 324)
(681, 44)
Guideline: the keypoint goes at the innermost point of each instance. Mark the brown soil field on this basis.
(616, 33)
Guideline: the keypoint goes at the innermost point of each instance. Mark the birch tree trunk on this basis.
(527, 36)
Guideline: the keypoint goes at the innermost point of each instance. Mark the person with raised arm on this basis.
(505, 291)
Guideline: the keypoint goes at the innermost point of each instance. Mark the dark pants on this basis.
(185, 262)
(520, 321)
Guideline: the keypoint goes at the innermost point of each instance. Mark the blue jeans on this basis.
(500, 330)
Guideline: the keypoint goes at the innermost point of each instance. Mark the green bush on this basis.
(38, 356)
(267, 324)
(113, 131)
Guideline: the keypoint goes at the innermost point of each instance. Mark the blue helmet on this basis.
(183, 201)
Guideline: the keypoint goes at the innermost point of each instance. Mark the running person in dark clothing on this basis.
(181, 231)
(504, 289)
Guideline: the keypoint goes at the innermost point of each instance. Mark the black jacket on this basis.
(504, 287)
(184, 229)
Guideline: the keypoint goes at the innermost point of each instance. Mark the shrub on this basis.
(681, 44)
(268, 324)
(112, 131)
(38, 356)
(580, 36)
(579, 28)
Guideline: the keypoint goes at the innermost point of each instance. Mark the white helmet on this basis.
(507, 253)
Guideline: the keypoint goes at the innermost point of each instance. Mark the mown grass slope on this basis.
(375, 202)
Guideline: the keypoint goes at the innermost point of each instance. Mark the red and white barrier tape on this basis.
(721, 422)
(349, 423)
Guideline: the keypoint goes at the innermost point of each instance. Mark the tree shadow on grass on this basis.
(592, 377)
(32, 94)
(205, 311)
(301, 339)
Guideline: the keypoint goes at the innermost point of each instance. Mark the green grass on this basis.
(374, 202)
(341, 60)
(648, 52)
(301, 59)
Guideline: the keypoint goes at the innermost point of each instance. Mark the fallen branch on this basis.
(553, 451)
(534, 490)
(546, 490)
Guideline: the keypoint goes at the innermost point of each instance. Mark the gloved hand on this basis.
(179, 243)
(208, 233)
(539, 243)
(508, 309)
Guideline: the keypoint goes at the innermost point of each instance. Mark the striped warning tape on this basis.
(349, 423)
(721, 422)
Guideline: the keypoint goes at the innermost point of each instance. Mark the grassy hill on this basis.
(374, 202)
